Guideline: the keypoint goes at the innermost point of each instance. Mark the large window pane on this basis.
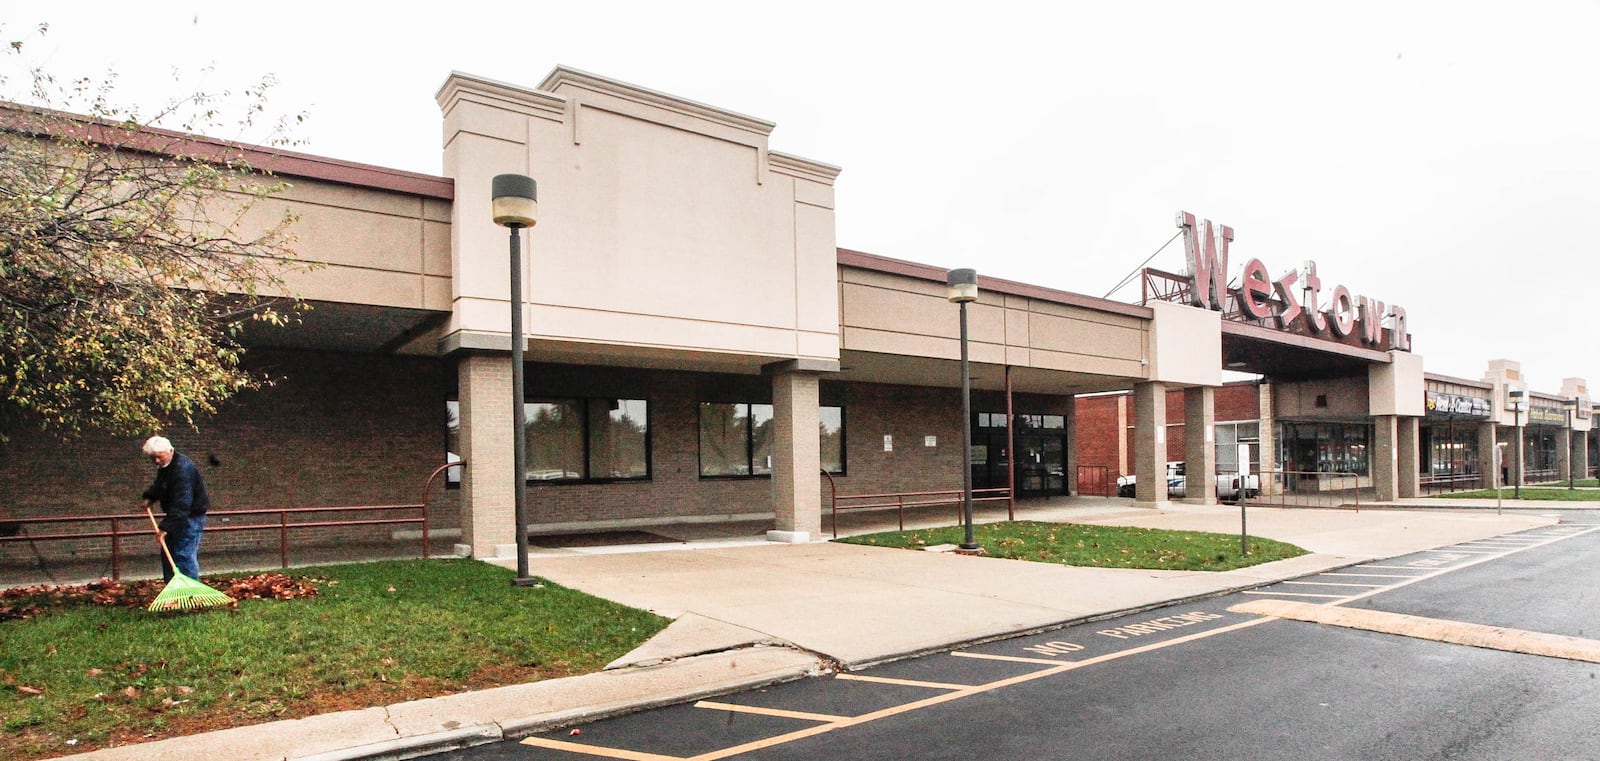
(831, 434)
(555, 440)
(617, 438)
(452, 440)
(724, 439)
(761, 439)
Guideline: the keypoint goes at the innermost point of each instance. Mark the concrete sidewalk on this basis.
(754, 613)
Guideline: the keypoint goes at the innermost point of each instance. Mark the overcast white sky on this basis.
(1443, 156)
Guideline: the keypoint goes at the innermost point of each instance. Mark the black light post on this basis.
(516, 205)
(961, 287)
(1516, 407)
(1572, 423)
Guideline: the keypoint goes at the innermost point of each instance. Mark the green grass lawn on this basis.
(1546, 493)
(1096, 546)
(78, 677)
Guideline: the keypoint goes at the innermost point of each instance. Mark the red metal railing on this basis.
(1304, 488)
(120, 525)
(901, 500)
(1095, 480)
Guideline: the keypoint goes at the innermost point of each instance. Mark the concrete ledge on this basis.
(789, 537)
(1438, 630)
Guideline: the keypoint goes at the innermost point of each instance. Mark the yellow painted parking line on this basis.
(778, 712)
(901, 682)
(1294, 594)
(596, 750)
(1434, 629)
(1010, 658)
(1371, 575)
(1333, 584)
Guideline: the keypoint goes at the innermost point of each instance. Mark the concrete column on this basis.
(1580, 453)
(1200, 445)
(1564, 454)
(1271, 466)
(1072, 451)
(797, 457)
(1384, 459)
(1409, 456)
(1150, 443)
(1517, 453)
(1486, 459)
(487, 501)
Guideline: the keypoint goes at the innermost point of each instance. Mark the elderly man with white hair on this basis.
(181, 493)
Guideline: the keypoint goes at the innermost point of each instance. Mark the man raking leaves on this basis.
(181, 492)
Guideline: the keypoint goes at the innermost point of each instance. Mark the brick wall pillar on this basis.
(487, 501)
(1580, 453)
(1384, 461)
(1564, 454)
(796, 457)
(1487, 462)
(1200, 445)
(1150, 443)
(1408, 457)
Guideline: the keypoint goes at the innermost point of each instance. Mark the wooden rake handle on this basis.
(161, 538)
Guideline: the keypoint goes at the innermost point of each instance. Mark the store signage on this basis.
(1455, 404)
(1548, 415)
(1294, 296)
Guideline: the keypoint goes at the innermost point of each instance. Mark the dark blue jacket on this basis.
(180, 489)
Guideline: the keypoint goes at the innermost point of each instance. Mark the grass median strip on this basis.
(74, 677)
(1546, 494)
(1096, 546)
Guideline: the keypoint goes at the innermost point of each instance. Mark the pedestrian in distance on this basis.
(181, 492)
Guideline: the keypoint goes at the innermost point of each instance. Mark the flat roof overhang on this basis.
(1288, 356)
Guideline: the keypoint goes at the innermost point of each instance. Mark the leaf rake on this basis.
(182, 593)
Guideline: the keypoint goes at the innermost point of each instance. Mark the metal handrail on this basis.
(1282, 488)
(282, 525)
(899, 501)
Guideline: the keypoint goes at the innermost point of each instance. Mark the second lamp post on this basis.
(961, 287)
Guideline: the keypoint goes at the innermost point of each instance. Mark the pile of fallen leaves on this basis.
(26, 602)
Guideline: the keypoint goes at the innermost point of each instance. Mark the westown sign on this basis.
(1295, 302)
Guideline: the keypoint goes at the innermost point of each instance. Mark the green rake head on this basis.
(184, 593)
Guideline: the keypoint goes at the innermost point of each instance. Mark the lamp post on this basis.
(961, 287)
(1516, 408)
(516, 205)
(1572, 423)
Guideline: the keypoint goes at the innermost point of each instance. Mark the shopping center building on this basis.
(700, 349)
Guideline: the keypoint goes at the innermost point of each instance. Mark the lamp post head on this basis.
(961, 286)
(516, 200)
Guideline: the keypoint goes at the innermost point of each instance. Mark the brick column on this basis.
(1072, 451)
(1564, 454)
(1200, 445)
(796, 457)
(1580, 452)
(487, 501)
(1384, 458)
(1486, 458)
(1150, 443)
(1408, 465)
(1267, 428)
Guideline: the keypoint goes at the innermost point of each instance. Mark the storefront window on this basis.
(832, 439)
(574, 439)
(736, 439)
(1325, 447)
(1229, 437)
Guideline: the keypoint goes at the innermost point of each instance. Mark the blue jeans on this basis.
(183, 541)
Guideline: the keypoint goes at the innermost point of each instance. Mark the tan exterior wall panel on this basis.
(436, 248)
(909, 344)
(1084, 363)
(559, 323)
(818, 345)
(1018, 326)
(813, 194)
(816, 273)
(1058, 334)
(436, 293)
(883, 309)
(356, 285)
(303, 191)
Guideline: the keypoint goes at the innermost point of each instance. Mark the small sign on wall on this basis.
(930, 441)
(888, 443)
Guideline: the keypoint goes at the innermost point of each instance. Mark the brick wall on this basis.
(1099, 434)
(332, 429)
